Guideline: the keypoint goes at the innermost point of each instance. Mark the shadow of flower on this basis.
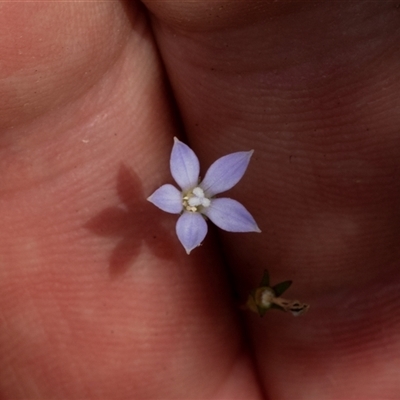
(135, 222)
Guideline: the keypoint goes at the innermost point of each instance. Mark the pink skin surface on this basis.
(98, 299)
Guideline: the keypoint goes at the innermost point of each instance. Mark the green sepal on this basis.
(251, 303)
(265, 279)
(262, 311)
(281, 287)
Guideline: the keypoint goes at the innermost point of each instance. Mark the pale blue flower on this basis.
(196, 200)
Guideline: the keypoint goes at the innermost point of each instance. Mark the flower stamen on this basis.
(195, 199)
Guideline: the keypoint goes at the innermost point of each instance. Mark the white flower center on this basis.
(267, 297)
(195, 199)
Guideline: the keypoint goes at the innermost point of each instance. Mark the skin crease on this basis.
(97, 297)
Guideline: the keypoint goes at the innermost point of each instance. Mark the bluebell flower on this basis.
(195, 200)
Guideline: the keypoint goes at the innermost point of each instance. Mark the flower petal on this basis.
(226, 172)
(191, 229)
(231, 216)
(184, 164)
(168, 198)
